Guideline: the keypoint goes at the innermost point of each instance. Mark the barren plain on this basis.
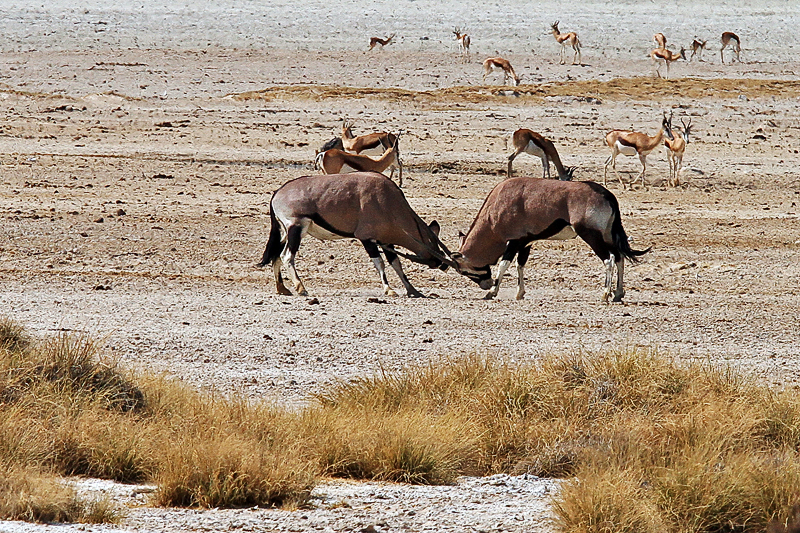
(134, 203)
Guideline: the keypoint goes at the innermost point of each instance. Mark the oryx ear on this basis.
(455, 256)
(434, 227)
(461, 239)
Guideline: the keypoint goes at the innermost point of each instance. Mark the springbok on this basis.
(565, 39)
(675, 150)
(519, 211)
(662, 56)
(697, 48)
(498, 63)
(372, 143)
(340, 162)
(661, 41)
(632, 143)
(532, 143)
(463, 42)
(375, 41)
(336, 143)
(366, 206)
(726, 39)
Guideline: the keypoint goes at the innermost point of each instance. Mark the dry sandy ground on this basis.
(134, 202)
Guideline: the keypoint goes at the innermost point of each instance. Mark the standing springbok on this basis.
(372, 143)
(632, 143)
(375, 41)
(565, 39)
(498, 63)
(463, 42)
(675, 150)
(662, 56)
(661, 41)
(697, 48)
(519, 211)
(366, 206)
(727, 38)
(532, 143)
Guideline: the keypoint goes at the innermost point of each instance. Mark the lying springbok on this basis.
(675, 150)
(498, 63)
(519, 211)
(371, 144)
(376, 41)
(532, 143)
(730, 39)
(632, 143)
(366, 206)
(340, 162)
(565, 39)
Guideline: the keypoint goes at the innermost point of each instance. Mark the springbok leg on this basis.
(375, 255)
(393, 260)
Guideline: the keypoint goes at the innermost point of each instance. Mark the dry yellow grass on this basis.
(648, 444)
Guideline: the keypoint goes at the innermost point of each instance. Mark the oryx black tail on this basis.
(621, 238)
(275, 244)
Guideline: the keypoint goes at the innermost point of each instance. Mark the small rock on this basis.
(99, 220)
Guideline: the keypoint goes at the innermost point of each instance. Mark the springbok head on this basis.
(457, 32)
(570, 173)
(667, 125)
(554, 26)
(687, 127)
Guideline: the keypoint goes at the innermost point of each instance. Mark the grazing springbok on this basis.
(519, 211)
(727, 38)
(532, 143)
(662, 56)
(335, 143)
(661, 41)
(375, 41)
(675, 149)
(366, 206)
(632, 143)
(463, 42)
(498, 63)
(697, 48)
(340, 162)
(565, 39)
(371, 144)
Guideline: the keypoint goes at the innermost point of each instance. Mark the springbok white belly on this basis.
(624, 149)
(564, 235)
(533, 149)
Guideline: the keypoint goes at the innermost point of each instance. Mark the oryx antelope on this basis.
(532, 143)
(372, 143)
(340, 162)
(366, 206)
(661, 41)
(519, 211)
(498, 63)
(565, 39)
(375, 41)
(662, 56)
(730, 38)
(675, 149)
(697, 48)
(463, 42)
(632, 143)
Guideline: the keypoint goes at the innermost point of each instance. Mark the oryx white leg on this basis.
(378, 262)
(619, 291)
(411, 292)
(279, 285)
(501, 270)
(609, 264)
(294, 234)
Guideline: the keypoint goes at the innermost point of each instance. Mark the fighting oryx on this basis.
(366, 206)
(519, 211)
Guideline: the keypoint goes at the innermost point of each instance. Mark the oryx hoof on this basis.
(520, 296)
(283, 291)
(389, 292)
(415, 294)
(489, 296)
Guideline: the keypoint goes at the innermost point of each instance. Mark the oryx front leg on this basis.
(411, 292)
(375, 255)
(522, 259)
(294, 234)
(508, 256)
